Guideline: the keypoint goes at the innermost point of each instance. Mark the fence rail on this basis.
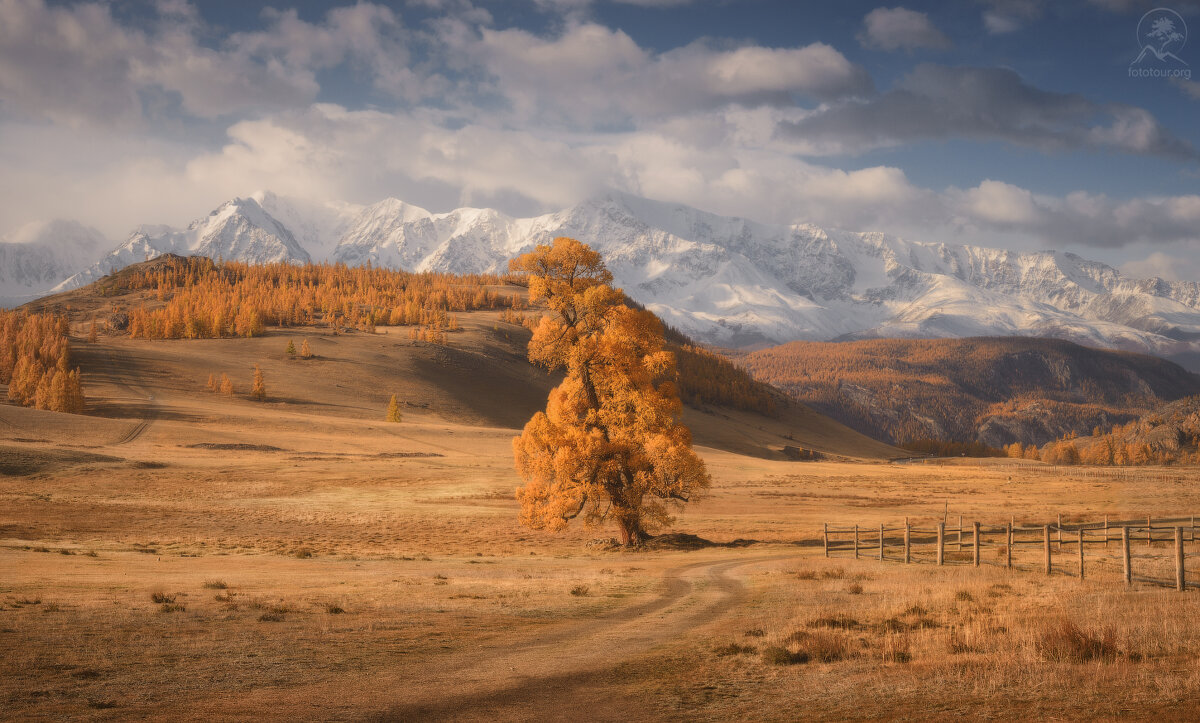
(1050, 537)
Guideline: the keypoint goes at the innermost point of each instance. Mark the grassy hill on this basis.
(991, 390)
(478, 377)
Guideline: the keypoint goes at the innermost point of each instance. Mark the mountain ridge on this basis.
(726, 281)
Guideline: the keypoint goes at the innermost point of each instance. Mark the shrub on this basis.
(215, 585)
(580, 591)
(161, 597)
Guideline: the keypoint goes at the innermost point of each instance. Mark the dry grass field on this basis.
(179, 554)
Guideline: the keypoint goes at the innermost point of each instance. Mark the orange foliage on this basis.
(609, 444)
(203, 299)
(35, 362)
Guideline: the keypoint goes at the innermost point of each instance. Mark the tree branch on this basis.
(582, 504)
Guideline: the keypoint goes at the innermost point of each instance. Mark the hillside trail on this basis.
(122, 377)
(570, 671)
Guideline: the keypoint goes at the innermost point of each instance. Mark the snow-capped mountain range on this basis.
(727, 281)
(38, 256)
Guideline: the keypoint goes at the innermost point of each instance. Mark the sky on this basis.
(1008, 123)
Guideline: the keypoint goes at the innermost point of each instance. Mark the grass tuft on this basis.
(779, 655)
(1066, 642)
(735, 649)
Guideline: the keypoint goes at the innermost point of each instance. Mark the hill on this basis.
(1169, 434)
(459, 358)
(991, 390)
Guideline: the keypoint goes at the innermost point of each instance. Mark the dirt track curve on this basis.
(563, 673)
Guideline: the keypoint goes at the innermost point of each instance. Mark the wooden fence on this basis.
(864, 540)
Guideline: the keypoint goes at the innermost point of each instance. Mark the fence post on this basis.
(975, 531)
(856, 541)
(1149, 531)
(1180, 575)
(881, 542)
(1059, 526)
(1081, 552)
(1008, 553)
(941, 555)
(960, 533)
(1106, 532)
(1126, 556)
(907, 542)
(1193, 528)
(1049, 569)
(825, 527)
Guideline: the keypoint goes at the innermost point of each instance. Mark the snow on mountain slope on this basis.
(238, 230)
(317, 226)
(37, 256)
(737, 282)
(728, 281)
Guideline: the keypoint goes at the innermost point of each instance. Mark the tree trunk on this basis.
(630, 525)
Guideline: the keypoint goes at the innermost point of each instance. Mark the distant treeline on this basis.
(201, 298)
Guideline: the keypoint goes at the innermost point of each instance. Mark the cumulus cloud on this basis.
(901, 29)
(1078, 218)
(78, 66)
(1176, 264)
(935, 102)
(527, 122)
(596, 76)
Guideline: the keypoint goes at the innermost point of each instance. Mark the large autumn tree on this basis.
(609, 445)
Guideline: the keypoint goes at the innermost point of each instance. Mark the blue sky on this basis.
(998, 122)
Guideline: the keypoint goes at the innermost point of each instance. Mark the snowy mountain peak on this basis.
(724, 280)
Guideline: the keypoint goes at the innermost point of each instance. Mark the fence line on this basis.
(1085, 533)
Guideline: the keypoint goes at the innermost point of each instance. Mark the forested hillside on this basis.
(991, 390)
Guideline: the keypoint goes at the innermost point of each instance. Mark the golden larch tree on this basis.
(393, 412)
(226, 385)
(609, 444)
(305, 350)
(258, 390)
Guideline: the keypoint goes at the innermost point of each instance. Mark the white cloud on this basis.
(594, 76)
(1176, 264)
(901, 29)
(1007, 16)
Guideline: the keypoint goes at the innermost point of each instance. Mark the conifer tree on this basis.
(393, 411)
(258, 391)
(291, 348)
(226, 385)
(305, 350)
(92, 332)
(212, 383)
